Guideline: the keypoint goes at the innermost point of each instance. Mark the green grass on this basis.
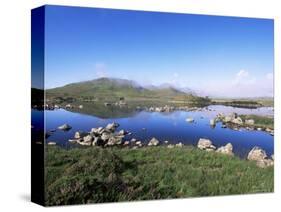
(246, 102)
(94, 175)
(260, 121)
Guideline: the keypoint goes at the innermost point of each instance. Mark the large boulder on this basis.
(205, 144)
(153, 142)
(64, 127)
(227, 149)
(259, 155)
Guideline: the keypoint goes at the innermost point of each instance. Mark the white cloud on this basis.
(243, 78)
(100, 69)
(242, 84)
(242, 73)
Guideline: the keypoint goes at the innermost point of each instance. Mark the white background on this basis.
(15, 108)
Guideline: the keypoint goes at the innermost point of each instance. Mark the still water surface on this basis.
(165, 126)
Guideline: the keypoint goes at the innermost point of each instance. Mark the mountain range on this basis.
(115, 87)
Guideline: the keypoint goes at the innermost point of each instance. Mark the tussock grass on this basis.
(94, 175)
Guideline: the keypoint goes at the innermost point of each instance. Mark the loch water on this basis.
(165, 126)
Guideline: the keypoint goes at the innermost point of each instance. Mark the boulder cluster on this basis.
(109, 136)
(166, 108)
(231, 118)
(207, 145)
(256, 154)
(101, 136)
(235, 122)
(56, 106)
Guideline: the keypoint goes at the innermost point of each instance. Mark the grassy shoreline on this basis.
(260, 121)
(92, 175)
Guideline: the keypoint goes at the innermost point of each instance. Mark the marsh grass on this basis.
(260, 121)
(95, 175)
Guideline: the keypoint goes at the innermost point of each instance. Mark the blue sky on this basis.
(216, 56)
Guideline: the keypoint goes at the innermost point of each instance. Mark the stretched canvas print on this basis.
(137, 105)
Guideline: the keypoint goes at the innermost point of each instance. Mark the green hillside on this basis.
(113, 89)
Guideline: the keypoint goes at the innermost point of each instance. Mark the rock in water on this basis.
(227, 149)
(64, 127)
(97, 131)
(205, 144)
(213, 122)
(80, 134)
(133, 140)
(123, 132)
(112, 127)
(190, 120)
(153, 142)
(51, 143)
(138, 142)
